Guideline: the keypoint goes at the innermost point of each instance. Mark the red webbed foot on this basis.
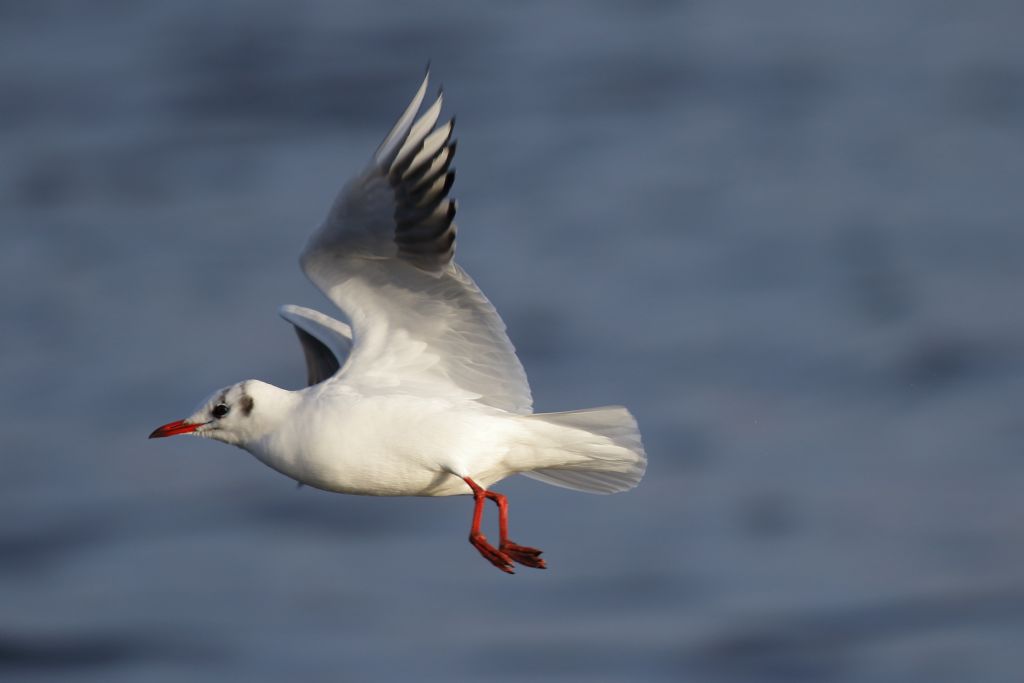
(498, 558)
(524, 555)
(508, 552)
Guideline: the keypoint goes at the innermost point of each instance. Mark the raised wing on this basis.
(384, 257)
(326, 342)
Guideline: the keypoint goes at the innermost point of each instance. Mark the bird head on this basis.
(237, 415)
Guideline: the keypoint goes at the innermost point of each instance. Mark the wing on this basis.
(326, 342)
(384, 257)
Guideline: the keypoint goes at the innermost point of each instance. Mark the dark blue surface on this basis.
(787, 236)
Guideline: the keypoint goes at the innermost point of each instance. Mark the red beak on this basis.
(172, 428)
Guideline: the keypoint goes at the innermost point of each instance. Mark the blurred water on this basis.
(787, 235)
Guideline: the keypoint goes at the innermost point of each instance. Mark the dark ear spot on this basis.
(246, 403)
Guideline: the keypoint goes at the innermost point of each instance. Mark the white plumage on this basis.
(420, 393)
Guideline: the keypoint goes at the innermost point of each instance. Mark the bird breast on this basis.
(389, 445)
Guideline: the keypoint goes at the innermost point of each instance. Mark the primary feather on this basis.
(384, 257)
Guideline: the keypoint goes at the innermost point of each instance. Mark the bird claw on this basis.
(497, 557)
(524, 555)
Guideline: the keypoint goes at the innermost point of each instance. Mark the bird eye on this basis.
(220, 410)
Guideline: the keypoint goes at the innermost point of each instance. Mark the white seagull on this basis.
(421, 392)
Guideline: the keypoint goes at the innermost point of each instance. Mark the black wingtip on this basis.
(426, 69)
(449, 180)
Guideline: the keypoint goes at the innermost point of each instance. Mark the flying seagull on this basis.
(420, 392)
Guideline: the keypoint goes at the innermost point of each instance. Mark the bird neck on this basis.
(272, 408)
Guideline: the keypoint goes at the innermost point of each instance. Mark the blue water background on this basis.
(787, 235)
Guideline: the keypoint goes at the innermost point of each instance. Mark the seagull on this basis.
(419, 392)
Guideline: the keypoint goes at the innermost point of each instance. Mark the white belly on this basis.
(391, 446)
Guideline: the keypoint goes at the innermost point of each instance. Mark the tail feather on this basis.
(599, 449)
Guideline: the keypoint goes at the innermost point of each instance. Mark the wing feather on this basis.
(414, 143)
(326, 342)
(384, 257)
(389, 148)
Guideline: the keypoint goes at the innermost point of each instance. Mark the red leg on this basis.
(479, 541)
(520, 553)
(507, 552)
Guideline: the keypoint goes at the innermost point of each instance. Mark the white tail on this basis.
(598, 449)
